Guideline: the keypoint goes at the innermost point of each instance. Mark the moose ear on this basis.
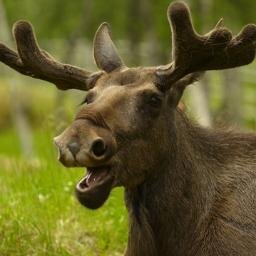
(105, 52)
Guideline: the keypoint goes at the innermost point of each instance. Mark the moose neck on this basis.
(166, 209)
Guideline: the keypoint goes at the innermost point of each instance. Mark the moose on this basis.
(189, 190)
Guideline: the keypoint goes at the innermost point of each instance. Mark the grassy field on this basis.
(39, 214)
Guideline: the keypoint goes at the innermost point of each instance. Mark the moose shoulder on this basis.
(189, 191)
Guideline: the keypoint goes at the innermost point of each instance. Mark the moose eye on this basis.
(88, 99)
(155, 100)
(149, 104)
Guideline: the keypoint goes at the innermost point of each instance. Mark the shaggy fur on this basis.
(202, 201)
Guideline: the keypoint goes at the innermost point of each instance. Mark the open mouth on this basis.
(93, 190)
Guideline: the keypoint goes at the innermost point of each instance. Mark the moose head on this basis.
(124, 131)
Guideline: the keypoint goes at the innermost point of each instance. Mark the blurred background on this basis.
(37, 201)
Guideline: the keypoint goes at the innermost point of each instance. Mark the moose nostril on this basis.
(98, 148)
(74, 148)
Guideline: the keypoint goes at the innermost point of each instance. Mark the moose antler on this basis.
(194, 53)
(32, 61)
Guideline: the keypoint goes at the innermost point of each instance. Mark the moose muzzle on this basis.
(84, 144)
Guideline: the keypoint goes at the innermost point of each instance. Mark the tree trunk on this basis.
(200, 104)
(19, 117)
(232, 100)
(60, 114)
(134, 31)
(199, 95)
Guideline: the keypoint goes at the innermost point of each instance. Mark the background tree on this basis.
(18, 106)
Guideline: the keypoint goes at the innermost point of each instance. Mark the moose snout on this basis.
(74, 147)
(89, 151)
(97, 149)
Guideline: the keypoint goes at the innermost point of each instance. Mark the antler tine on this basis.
(37, 63)
(215, 50)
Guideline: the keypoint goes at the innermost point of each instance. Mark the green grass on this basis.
(39, 214)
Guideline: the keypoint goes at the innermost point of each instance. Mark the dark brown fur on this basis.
(203, 201)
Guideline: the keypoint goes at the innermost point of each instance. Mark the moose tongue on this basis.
(93, 190)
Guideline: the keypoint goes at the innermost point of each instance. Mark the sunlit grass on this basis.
(39, 214)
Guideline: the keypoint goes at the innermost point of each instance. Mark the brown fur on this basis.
(201, 203)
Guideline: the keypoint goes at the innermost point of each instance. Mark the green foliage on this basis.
(59, 18)
(62, 18)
